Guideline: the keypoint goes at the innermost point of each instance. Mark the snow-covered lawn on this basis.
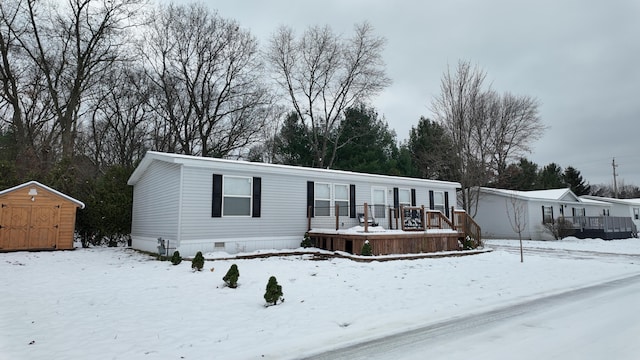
(115, 303)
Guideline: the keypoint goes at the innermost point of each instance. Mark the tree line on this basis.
(88, 86)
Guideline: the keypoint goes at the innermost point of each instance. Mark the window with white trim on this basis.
(322, 201)
(547, 214)
(404, 197)
(438, 201)
(236, 196)
(341, 198)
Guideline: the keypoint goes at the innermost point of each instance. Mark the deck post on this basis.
(366, 218)
(337, 217)
(308, 218)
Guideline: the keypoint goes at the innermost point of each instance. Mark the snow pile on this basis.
(115, 303)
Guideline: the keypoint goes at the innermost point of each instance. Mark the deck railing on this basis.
(606, 223)
(406, 218)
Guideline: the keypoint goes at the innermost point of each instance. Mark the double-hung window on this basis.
(438, 201)
(322, 199)
(404, 197)
(236, 196)
(547, 214)
(341, 199)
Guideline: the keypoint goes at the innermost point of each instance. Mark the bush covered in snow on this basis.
(366, 249)
(176, 258)
(273, 292)
(198, 261)
(231, 278)
(306, 241)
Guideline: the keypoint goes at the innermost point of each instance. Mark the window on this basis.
(341, 199)
(636, 213)
(322, 202)
(404, 197)
(236, 196)
(379, 199)
(547, 214)
(605, 212)
(438, 201)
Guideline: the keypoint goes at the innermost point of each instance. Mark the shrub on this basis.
(306, 241)
(231, 278)
(366, 249)
(176, 258)
(274, 292)
(198, 261)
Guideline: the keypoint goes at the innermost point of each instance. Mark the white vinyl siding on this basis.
(236, 196)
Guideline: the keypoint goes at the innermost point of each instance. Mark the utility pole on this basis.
(615, 184)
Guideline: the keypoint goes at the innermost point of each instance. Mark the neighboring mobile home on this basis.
(206, 204)
(620, 207)
(498, 210)
(34, 216)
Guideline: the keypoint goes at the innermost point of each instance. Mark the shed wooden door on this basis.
(29, 227)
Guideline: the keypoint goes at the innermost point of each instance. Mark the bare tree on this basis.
(517, 215)
(323, 74)
(460, 109)
(207, 73)
(487, 129)
(72, 45)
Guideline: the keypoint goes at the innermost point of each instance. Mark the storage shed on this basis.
(34, 216)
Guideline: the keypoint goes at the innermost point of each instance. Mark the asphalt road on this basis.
(601, 321)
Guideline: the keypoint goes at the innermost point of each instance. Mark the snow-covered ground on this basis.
(115, 303)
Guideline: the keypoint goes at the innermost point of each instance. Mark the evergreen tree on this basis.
(521, 176)
(575, 181)
(550, 177)
(273, 292)
(306, 241)
(292, 143)
(431, 150)
(231, 278)
(366, 249)
(198, 261)
(176, 258)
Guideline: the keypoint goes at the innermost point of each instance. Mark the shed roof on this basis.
(198, 161)
(31, 183)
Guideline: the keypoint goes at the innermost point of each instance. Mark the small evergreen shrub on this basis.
(366, 249)
(198, 261)
(306, 241)
(231, 278)
(176, 258)
(273, 292)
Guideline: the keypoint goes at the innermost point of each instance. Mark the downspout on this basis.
(180, 191)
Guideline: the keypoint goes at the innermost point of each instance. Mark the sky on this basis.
(117, 303)
(579, 59)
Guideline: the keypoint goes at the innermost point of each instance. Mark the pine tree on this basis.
(366, 249)
(231, 278)
(575, 181)
(198, 261)
(306, 241)
(176, 258)
(273, 292)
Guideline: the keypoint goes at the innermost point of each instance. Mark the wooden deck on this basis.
(387, 243)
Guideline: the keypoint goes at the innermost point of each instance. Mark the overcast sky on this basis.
(581, 59)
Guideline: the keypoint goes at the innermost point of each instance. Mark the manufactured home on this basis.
(191, 204)
(620, 207)
(34, 216)
(501, 212)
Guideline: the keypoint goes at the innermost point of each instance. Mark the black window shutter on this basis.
(257, 196)
(431, 206)
(352, 201)
(446, 203)
(216, 206)
(573, 211)
(413, 197)
(543, 219)
(310, 196)
(396, 198)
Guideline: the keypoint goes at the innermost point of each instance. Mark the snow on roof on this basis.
(31, 183)
(634, 201)
(150, 156)
(550, 194)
